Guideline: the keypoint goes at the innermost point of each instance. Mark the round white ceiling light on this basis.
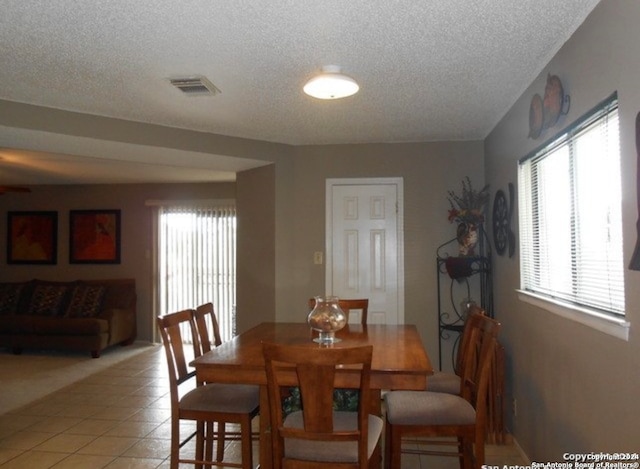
(331, 84)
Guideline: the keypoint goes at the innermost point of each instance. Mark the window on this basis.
(196, 259)
(570, 217)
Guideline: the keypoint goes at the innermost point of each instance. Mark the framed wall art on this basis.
(32, 237)
(94, 237)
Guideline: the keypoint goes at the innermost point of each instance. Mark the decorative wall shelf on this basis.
(461, 280)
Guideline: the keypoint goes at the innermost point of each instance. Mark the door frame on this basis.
(399, 183)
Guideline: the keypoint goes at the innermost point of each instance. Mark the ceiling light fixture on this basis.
(331, 84)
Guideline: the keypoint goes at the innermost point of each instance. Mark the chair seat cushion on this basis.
(444, 382)
(216, 397)
(428, 408)
(339, 451)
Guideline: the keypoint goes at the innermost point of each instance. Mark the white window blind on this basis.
(197, 260)
(570, 216)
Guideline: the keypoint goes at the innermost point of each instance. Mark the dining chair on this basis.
(347, 305)
(317, 436)
(426, 414)
(204, 315)
(203, 403)
(449, 382)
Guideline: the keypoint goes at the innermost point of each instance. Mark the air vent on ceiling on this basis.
(195, 86)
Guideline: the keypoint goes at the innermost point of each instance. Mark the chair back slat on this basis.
(204, 315)
(316, 385)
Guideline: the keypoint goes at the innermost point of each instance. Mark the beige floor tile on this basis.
(134, 463)
(83, 410)
(6, 432)
(163, 403)
(8, 454)
(65, 443)
(132, 428)
(83, 461)
(25, 440)
(42, 408)
(162, 431)
(55, 424)
(109, 445)
(151, 391)
(150, 448)
(90, 389)
(115, 413)
(34, 460)
(136, 402)
(151, 415)
(233, 453)
(94, 427)
(11, 423)
(126, 389)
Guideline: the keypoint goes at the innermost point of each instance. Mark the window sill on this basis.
(609, 325)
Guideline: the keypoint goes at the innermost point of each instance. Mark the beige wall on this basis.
(428, 170)
(136, 222)
(576, 388)
(256, 284)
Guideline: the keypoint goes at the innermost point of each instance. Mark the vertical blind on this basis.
(570, 215)
(197, 260)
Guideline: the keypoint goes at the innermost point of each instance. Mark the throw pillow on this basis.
(86, 301)
(9, 297)
(47, 300)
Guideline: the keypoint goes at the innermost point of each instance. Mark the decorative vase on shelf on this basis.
(327, 318)
(467, 235)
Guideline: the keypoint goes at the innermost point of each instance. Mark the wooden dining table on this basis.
(399, 362)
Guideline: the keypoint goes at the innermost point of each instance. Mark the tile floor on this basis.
(119, 418)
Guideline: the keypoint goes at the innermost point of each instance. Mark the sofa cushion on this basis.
(69, 326)
(86, 301)
(10, 297)
(6, 324)
(120, 294)
(17, 324)
(47, 300)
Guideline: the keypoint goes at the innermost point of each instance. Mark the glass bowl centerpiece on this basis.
(327, 318)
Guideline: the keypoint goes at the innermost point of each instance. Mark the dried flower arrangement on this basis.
(470, 206)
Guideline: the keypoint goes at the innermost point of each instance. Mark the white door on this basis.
(365, 245)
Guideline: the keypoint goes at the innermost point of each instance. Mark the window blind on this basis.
(570, 215)
(197, 260)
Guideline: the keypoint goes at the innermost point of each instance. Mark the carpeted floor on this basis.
(36, 373)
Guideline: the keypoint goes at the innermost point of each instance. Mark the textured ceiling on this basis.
(428, 70)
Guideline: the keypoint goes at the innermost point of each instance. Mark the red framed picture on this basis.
(94, 237)
(32, 237)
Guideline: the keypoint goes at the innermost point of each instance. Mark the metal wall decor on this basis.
(503, 236)
(544, 112)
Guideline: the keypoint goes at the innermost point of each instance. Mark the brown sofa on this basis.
(81, 315)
